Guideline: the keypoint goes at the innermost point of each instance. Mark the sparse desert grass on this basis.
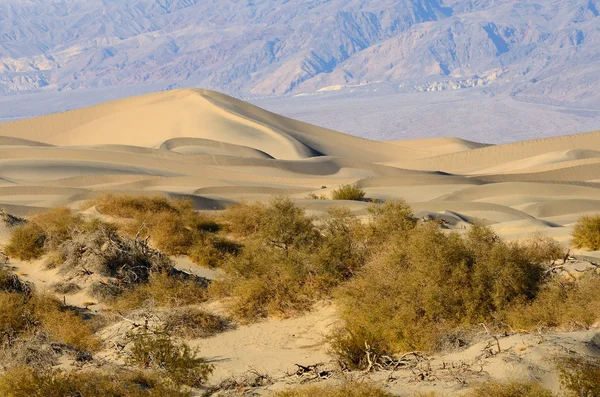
(157, 351)
(586, 233)
(426, 283)
(348, 192)
(194, 323)
(510, 389)
(27, 382)
(347, 389)
(162, 290)
(580, 376)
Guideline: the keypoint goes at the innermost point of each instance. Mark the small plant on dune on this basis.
(510, 389)
(243, 219)
(156, 350)
(23, 381)
(26, 242)
(347, 389)
(580, 375)
(586, 233)
(194, 323)
(348, 192)
(162, 290)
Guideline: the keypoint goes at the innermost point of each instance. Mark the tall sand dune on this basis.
(218, 150)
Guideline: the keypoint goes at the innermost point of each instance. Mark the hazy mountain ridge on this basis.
(549, 50)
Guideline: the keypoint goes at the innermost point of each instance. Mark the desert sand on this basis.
(218, 150)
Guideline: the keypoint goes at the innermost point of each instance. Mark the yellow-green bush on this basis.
(194, 323)
(173, 225)
(243, 219)
(347, 389)
(580, 376)
(348, 192)
(212, 251)
(161, 290)
(510, 389)
(426, 283)
(156, 350)
(586, 233)
(27, 382)
(26, 242)
(560, 303)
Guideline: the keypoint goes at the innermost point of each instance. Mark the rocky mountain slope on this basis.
(536, 50)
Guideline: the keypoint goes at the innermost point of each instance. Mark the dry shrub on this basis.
(65, 325)
(26, 382)
(348, 192)
(35, 351)
(15, 317)
(26, 242)
(10, 282)
(426, 283)
(510, 389)
(290, 262)
(347, 389)
(580, 376)
(193, 323)
(156, 350)
(163, 289)
(560, 303)
(586, 233)
(212, 251)
(100, 249)
(173, 225)
(57, 225)
(540, 248)
(390, 219)
(243, 219)
(65, 288)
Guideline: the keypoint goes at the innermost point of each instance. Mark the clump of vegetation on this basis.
(24, 312)
(510, 389)
(172, 225)
(26, 242)
(194, 323)
(290, 262)
(348, 192)
(163, 289)
(211, 251)
(23, 381)
(426, 283)
(157, 351)
(243, 219)
(586, 233)
(560, 303)
(580, 376)
(347, 389)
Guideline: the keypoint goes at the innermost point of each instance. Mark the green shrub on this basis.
(390, 219)
(27, 382)
(348, 192)
(586, 233)
(156, 350)
(510, 389)
(347, 389)
(580, 376)
(26, 242)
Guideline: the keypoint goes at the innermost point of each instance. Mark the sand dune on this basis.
(218, 150)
